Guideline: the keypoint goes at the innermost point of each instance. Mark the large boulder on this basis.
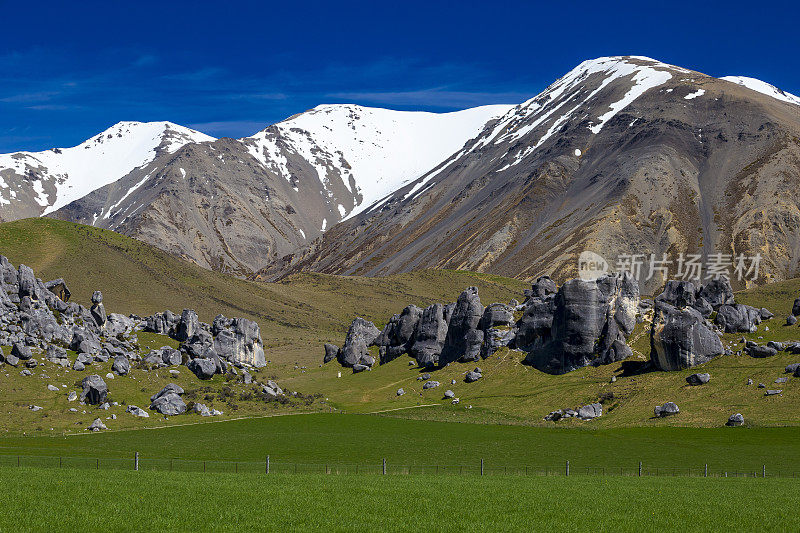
(169, 388)
(188, 326)
(738, 318)
(544, 286)
(668, 409)
(588, 412)
(84, 340)
(27, 283)
(118, 324)
(464, 339)
(592, 320)
(698, 379)
(170, 356)
(360, 336)
(761, 351)
(98, 310)
(717, 292)
(21, 351)
(240, 343)
(430, 336)
(97, 425)
(95, 390)
(331, 352)
(398, 335)
(735, 420)
(203, 368)
(680, 338)
(121, 365)
(169, 404)
(678, 293)
(42, 323)
(534, 329)
(59, 288)
(497, 326)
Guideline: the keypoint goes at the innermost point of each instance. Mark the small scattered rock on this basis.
(698, 379)
(668, 409)
(449, 394)
(735, 420)
(400, 392)
(772, 392)
(97, 425)
(588, 412)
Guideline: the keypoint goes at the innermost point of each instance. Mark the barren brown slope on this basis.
(692, 165)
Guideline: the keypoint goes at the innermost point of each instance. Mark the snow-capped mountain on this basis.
(377, 150)
(763, 88)
(34, 183)
(621, 156)
(240, 205)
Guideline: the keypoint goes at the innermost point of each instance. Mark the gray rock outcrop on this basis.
(464, 338)
(95, 390)
(360, 336)
(680, 338)
(430, 336)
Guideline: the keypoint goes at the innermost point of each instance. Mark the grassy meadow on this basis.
(136, 501)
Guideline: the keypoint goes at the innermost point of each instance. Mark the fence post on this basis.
(481, 466)
(384, 466)
(568, 467)
(136, 461)
(59, 462)
(764, 471)
(98, 463)
(640, 469)
(705, 471)
(268, 464)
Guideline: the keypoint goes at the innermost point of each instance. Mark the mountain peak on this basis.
(763, 88)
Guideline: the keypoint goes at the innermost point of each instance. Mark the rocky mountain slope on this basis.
(621, 156)
(239, 205)
(36, 183)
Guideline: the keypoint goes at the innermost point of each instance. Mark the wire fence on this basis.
(268, 466)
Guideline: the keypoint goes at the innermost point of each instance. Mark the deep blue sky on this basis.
(69, 70)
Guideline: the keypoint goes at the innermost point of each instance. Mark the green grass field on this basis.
(137, 501)
(367, 439)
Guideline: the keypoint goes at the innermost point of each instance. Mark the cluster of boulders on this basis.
(583, 322)
(682, 333)
(35, 314)
(39, 315)
(208, 348)
(586, 412)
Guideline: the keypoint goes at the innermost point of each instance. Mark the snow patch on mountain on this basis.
(379, 150)
(103, 159)
(692, 96)
(763, 88)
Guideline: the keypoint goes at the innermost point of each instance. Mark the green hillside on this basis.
(299, 314)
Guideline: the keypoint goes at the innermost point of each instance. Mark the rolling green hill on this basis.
(299, 314)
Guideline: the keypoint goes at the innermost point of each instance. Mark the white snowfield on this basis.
(381, 149)
(103, 159)
(764, 88)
